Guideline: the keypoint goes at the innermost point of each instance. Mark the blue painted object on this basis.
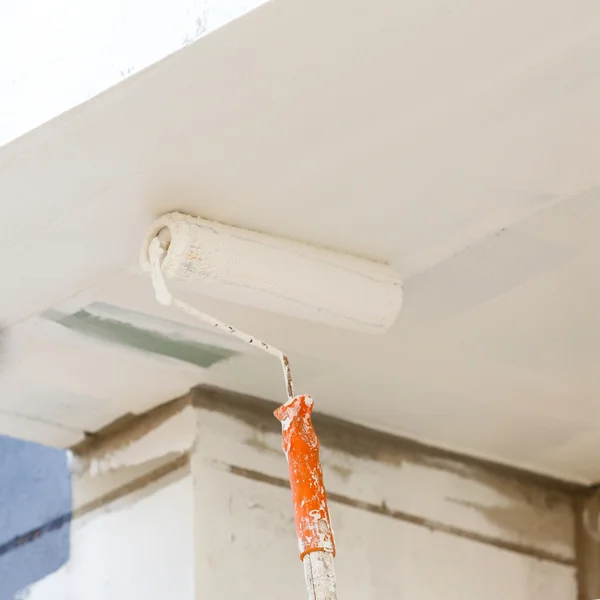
(35, 513)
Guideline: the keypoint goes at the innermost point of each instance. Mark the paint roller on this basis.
(290, 278)
(275, 274)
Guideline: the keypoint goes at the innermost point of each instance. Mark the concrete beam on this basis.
(588, 544)
(212, 516)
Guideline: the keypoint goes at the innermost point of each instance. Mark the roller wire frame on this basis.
(300, 444)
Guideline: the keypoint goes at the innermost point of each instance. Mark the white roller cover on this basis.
(275, 274)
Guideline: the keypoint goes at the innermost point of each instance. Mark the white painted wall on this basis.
(141, 549)
(224, 530)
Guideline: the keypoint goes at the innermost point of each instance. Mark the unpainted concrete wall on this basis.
(409, 524)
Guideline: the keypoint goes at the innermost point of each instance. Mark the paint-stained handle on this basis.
(301, 447)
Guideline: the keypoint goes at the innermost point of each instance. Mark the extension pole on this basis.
(311, 515)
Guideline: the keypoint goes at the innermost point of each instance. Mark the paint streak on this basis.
(344, 472)
(509, 517)
(435, 526)
(258, 443)
(154, 342)
(366, 443)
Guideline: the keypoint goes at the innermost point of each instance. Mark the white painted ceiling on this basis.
(459, 141)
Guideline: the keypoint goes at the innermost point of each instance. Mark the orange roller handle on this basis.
(301, 447)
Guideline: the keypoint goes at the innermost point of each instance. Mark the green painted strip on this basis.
(125, 334)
